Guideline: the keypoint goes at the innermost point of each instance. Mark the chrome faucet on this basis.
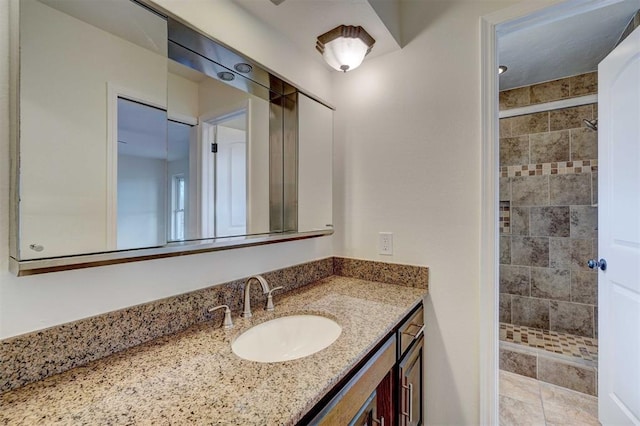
(246, 311)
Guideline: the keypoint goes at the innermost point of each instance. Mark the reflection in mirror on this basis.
(142, 170)
(74, 55)
(129, 138)
(229, 155)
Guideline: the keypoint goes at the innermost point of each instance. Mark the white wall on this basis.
(142, 197)
(407, 160)
(37, 302)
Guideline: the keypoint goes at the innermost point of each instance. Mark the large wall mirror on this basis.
(137, 139)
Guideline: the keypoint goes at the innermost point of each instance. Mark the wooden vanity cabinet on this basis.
(410, 386)
(386, 389)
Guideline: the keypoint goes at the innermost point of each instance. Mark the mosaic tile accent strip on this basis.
(390, 273)
(552, 341)
(505, 217)
(34, 356)
(558, 168)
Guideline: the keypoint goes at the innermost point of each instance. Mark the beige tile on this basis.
(549, 91)
(514, 98)
(584, 144)
(515, 151)
(514, 412)
(519, 363)
(570, 118)
(557, 396)
(505, 127)
(549, 147)
(585, 84)
(519, 387)
(571, 376)
(530, 123)
(568, 415)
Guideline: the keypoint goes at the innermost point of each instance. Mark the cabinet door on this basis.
(410, 387)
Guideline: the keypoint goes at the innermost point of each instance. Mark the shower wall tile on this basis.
(581, 251)
(566, 190)
(559, 252)
(518, 363)
(550, 221)
(570, 118)
(530, 251)
(584, 287)
(572, 318)
(505, 127)
(576, 377)
(514, 150)
(584, 222)
(551, 184)
(505, 189)
(530, 123)
(520, 221)
(584, 84)
(505, 250)
(505, 308)
(548, 283)
(584, 144)
(549, 147)
(515, 280)
(514, 98)
(550, 91)
(530, 191)
(530, 312)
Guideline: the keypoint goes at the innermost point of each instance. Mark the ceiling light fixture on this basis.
(502, 69)
(243, 67)
(345, 47)
(226, 76)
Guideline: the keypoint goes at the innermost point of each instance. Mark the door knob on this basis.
(595, 264)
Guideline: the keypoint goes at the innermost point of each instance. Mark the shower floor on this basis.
(559, 343)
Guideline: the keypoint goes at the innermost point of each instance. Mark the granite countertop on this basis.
(194, 377)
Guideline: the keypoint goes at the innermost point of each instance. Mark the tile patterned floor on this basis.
(561, 343)
(526, 401)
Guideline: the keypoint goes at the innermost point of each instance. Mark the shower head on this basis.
(591, 124)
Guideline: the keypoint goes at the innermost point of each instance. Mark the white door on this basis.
(231, 182)
(619, 234)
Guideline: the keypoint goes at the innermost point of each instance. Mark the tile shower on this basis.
(548, 231)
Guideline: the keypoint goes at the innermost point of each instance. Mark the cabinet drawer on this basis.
(344, 407)
(410, 330)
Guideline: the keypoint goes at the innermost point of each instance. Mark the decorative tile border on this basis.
(34, 356)
(391, 273)
(561, 343)
(505, 217)
(557, 168)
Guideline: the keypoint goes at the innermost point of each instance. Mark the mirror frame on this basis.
(261, 81)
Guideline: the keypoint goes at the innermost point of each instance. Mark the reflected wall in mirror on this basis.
(229, 154)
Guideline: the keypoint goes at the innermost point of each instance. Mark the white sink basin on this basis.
(286, 338)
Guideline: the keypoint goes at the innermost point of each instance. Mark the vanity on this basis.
(194, 377)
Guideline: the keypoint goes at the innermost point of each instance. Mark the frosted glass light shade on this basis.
(345, 54)
(345, 47)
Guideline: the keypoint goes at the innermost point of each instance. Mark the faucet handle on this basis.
(270, 306)
(228, 323)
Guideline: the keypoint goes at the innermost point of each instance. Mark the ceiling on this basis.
(302, 21)
(562, 48)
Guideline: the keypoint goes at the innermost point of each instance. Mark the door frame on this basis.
(492, 26)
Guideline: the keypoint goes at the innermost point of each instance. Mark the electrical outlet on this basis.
(385, 243)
